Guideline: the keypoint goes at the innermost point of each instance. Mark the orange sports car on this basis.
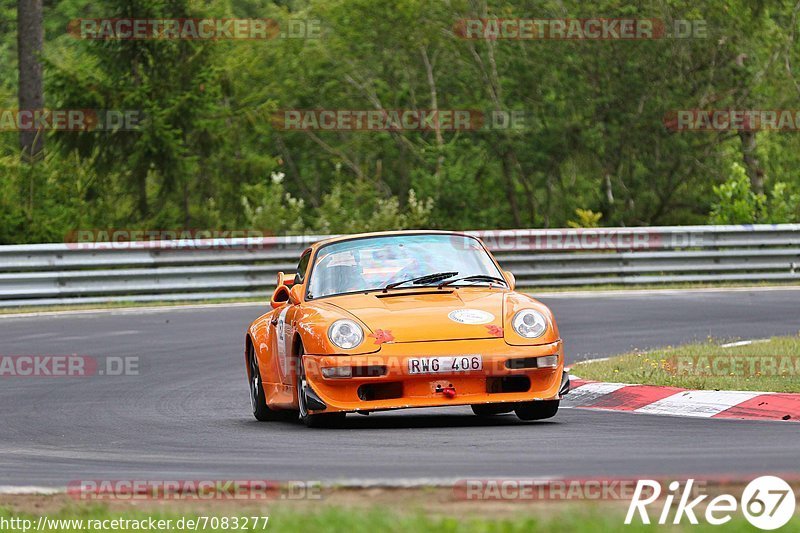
(392, 320)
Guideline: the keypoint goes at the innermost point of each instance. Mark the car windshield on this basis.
(372, 263)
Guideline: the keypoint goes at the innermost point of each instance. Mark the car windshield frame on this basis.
(314, 264)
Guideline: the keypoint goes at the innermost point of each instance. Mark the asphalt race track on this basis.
(187, 415)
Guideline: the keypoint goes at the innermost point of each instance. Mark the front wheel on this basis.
(321, 420)
(537, 410)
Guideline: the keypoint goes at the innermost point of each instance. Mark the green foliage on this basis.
(268, 207)
(593, 136)
(358, 206)
(586, 219)
(784, 204)
(736, 203)
(45, 201)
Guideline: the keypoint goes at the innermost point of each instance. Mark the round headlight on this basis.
(529, 323)
(345, 334)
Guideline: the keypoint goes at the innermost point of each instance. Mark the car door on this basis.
(284, 324)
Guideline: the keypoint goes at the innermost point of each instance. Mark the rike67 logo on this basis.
(767, 502)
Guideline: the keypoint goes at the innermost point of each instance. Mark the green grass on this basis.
(566, 519)
(706, 366)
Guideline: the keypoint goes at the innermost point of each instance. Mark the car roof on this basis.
(353, 236)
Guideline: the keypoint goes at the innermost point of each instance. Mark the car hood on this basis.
(428, 314)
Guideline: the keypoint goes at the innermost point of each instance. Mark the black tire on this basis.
(321, 420)
(257, 397)
(537, 410)
(492, 409)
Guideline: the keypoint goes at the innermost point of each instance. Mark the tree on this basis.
(30, 40)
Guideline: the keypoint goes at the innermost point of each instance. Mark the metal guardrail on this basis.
(67, 273)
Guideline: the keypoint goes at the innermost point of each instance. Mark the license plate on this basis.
(444, 365)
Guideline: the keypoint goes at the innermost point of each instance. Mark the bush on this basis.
(43, 201)
(358, 207)
(269, 207)
(736, 203)
(586, 219)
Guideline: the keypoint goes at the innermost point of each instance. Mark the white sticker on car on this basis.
(281, 341)
(470, 316)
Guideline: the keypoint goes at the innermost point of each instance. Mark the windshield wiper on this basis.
(422, 280)
(477, 277)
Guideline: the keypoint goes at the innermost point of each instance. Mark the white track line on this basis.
(583, 362)
(46, 491)
(743, 343)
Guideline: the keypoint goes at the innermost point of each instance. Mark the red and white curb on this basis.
(656, 400)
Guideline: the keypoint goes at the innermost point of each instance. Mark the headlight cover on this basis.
(529, 324)
(345, 334)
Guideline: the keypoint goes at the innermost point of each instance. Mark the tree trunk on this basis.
(751, 163)
(140, 177)
(608, 188)
(511, 193)
(30, 40)
(435, 109)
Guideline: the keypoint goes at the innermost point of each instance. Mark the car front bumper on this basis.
(381, 381)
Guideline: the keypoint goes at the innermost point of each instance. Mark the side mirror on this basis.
(280, 296)
(510, 279)
(285, 279)
(296, 294)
